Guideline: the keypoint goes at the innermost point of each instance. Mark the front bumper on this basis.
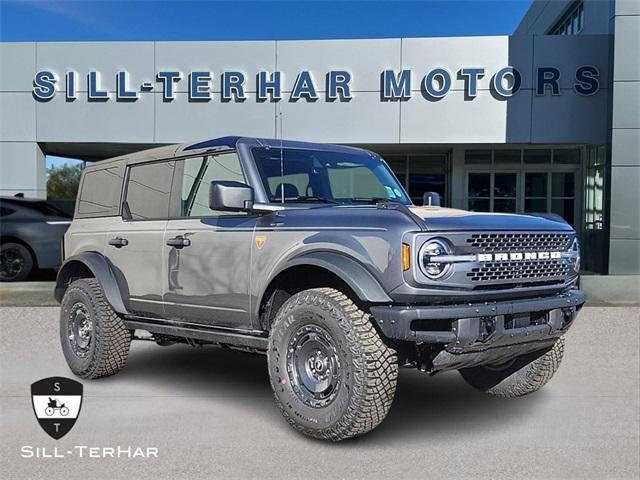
(489, 333)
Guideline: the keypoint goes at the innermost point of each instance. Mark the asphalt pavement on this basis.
(210, 414)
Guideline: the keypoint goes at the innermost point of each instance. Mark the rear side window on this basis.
(4, 211)
(47, 209)
(100, 192)
(148, 191)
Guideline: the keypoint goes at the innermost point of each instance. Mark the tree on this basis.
(63, 181)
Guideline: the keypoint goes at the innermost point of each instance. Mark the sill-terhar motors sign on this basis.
(337, 84)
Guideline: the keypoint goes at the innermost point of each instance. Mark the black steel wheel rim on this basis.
(313, 366)
(80, 329)
(11, 263)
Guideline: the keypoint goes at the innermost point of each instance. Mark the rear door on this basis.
(207, 253)
(134, 242)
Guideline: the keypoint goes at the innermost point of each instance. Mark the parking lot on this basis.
(210, 413)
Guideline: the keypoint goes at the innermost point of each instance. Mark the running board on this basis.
(200, 332)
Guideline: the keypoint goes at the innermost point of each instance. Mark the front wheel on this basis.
(95, 340)
(332, 376)
(519, 377)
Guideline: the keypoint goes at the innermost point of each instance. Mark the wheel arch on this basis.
(319, 269)
(91, 265)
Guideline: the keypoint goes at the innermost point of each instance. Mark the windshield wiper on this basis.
(312, 199)
(374, 199)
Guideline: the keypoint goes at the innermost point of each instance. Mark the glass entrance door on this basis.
(551, 192)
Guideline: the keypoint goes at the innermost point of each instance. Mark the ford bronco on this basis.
(315, 256)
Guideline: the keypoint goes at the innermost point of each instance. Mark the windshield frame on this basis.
(321, 149)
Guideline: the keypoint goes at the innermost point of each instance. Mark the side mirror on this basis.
(230, 196)
(431, 199)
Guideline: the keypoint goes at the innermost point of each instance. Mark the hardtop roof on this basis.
(232, 142)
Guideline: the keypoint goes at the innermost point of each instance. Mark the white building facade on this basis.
(543, 120)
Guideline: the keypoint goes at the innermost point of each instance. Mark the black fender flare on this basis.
(352, 272)
(101, 269)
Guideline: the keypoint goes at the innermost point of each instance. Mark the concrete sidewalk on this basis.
(211, 414)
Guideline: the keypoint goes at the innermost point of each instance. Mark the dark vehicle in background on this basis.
(31, 233)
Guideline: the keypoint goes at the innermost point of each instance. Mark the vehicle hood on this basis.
(451, 219)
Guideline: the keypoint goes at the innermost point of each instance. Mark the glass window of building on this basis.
(492, 191)
(477, 157)
(571, 23)
(526, 180)
(421, 173)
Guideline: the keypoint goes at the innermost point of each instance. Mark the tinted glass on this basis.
(535, 185)
(504, 205)
(564, 208)
(100, 192)
(504, 184)
(479, 184)
(47, 209)
(344, 177)
(506, 156)
(479, 205)
(421, 183)
(562, 185)
(537, 156)
(198, 173)
(535, 205)
(4, 211)
(148, 190)
(477, 157)
(567, 156)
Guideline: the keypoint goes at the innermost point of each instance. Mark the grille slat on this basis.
(515, 271)
(521, 242)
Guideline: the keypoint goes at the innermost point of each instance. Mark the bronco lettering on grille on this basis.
(515, 256)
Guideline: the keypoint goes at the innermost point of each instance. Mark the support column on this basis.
(22, 169)
(624, 251)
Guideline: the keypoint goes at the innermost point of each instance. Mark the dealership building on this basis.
(544, 120)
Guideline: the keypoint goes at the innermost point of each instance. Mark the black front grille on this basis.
(519, 242)
(520, 270)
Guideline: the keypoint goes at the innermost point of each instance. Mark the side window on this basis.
(148, 190)
(198, 173)
(100, 192)
(5, 211)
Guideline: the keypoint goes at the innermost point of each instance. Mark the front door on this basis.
(207, 253)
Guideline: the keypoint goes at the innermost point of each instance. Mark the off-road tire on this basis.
(368, 367)
(527, 379)
(24, 255)
(110, 340)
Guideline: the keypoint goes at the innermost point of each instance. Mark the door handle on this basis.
(178, 242)
(118, 242)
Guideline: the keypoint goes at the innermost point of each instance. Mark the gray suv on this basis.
(315, 256)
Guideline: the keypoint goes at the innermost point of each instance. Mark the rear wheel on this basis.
(95, 340)
(16, 262)
(332, 375)
(519, 377)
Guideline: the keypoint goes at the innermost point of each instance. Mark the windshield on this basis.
(325, 176)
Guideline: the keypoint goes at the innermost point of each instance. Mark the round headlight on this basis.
(428, 258)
